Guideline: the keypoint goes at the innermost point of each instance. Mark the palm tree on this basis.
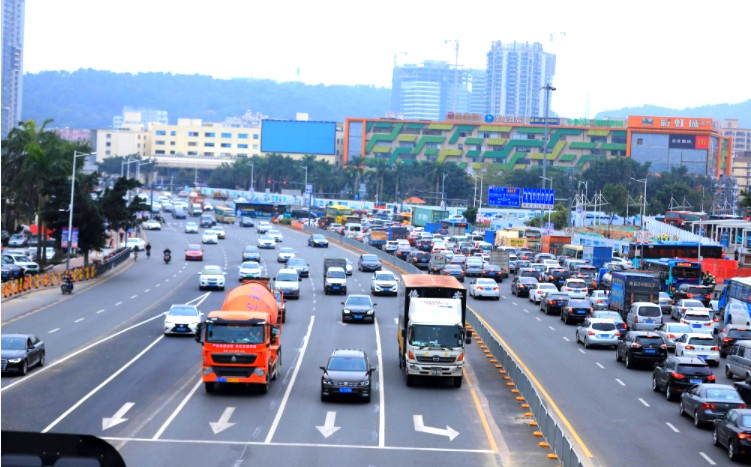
(354, 172)
(379, 168)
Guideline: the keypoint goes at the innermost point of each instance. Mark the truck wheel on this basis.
(458, 381)
(209, 386)
(264, 388)
(410, 380)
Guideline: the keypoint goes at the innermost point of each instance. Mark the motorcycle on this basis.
(66, 287)
(167, 258)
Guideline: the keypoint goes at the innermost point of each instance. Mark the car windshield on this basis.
(612, 315)
(697, 290)
(286, 277)
(739, 333)
(608, 326)
(194, 248)
(664, 295)
(369, 258)
(527, 280)
(358, 301)
(234, 334)
(691, 369)
(347, 364)
(558, 297)
(14, 343)
(679, 328)
(266, 238)
(453, 268)
(650, 311)
(251, 265)
(487, 282)
(286, 250)
(649, 340)
(435, 336)
(251, 249)
(183, 311)
(692, 304)
(384, 277)
(692, 317)
(744, 421)
(576, 285)
(212, 270)
(297, 262)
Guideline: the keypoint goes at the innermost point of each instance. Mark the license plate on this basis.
(336, 287)
(233, 380)
(703, 356)
(561, 303)
(649, 321)
(358, 317)
(696, 325)
(345, 389)
(650, 351)
(435, 372)
(603, 336)
(580, 312)
(695, 381)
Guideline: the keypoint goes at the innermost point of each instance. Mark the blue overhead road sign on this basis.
(504, 197)
(538, 198)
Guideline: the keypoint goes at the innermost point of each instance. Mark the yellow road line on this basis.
(483, 419)
(539, 387)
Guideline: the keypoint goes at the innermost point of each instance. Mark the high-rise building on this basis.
(478, 95)
(429, 91)
(132, 115)
(516, 74)
(13, 21)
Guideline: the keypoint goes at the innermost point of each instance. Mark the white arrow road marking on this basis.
(396, 321)
(223, 422)
(328, 427)
(118, 417)
(420, 426)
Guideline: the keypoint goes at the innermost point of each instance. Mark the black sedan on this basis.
(318, 241)
(733, 431)
(419, 259)
(368, 263)
(347, 373)
(453, 270)
(246, 221)
(554, 303)
(403, 251)
(21, 352)
(708, 402)
(520, 286)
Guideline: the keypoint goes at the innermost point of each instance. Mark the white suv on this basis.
(263, 227)
(575, 288)
(29, 266)
(287, 281)
(211, 277)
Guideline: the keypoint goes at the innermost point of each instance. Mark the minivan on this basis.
(738, 362)
(352, 230)
(644, 316)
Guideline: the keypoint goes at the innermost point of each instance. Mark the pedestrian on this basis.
(736, 255)
(112, 243)
(122, 235)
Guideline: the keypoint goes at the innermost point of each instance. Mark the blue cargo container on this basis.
(433, 227)
(490, 236)
(597, 255)
(629, 287)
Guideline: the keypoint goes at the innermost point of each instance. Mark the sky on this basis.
(610, 55)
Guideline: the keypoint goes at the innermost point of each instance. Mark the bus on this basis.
(339, 213)
(532, 234)
(674, 272)
(678, 218)
(734, 305)
(573, 251)
(224, 214)
(256, 209)
(686, 250)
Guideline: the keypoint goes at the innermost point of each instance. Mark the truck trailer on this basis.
(432, 332)
(629, 287)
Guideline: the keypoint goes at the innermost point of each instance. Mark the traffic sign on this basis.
(504, 197)
(539, 198)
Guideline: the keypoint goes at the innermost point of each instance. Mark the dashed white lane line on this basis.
(526, 311)
(538, 318)
(79, 320)
(514, 303)
(147, 291)
(100, 311)
(582, 351)
(133, 296)
(551, 328)
(643, 402)
(707, 458)
(670, 425)
(600, 365)
(566, 339)
(503, 297)
(118, 303)
(166, 280)
(159, 285)
(54, 330)
(620, 382)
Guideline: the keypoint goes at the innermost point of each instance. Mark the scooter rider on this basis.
(148, 250)
(68, 280)
(167, 255)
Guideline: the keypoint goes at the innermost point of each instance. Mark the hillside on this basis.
(90, 98)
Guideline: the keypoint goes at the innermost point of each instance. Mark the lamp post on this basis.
(252, 173)
(443, 191)
(76, 155)
(542, 213)
(548, 89)
(305, 187)
(643, 213)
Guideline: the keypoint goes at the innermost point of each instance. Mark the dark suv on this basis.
(729, 335)
(347, 373)
(678, 374)
(554, 303)
(424, 244)
(520, 285)
(419, 259)
(696, 292)
(557, 276)
(641, 346)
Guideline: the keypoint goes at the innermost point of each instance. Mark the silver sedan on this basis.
(671, 331)
(600, 332)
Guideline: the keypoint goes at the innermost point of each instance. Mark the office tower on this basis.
(429, 91)
(13, 19)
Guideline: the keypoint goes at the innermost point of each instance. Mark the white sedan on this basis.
(191, 227)
(151, 224)
(699, 345)
(182, 319)
(575, 288)
(538, 292)
(264, 241)
(484, 288)
(209, 236)
(700, 320)
(250, 270)
(285, 254)
(135, 243)
(384, 282)
(276, 235)
(211, 277)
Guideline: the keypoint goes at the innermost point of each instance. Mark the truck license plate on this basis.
(233, 380)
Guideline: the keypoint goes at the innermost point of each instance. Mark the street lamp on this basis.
(542, 213)
(643, 213)
(76, 155)
(443, 191)
(305, 187)
(548, 88)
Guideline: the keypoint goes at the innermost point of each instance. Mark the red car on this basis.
(194, 253)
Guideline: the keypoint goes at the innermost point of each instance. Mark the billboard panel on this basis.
(298, 137)
(504, 197)
(538, 198)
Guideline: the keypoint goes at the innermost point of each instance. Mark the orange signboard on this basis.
(673, 123)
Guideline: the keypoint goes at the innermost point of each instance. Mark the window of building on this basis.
(242, 136)
(255, 136)
(159, 142)
(242, 155)
(172, 153)
(192, 143)
(171, 143)
(209, 134)
(208, 144)
(226, 145)
(159, 151)
(161, 133)
(192, 153)
(109, 136)
(255, 146)
(173, 133)
(226, 135)
(109, 144)
(107, 152)
(242, 146)
(207, 153)
(639, 141)
(192, 133)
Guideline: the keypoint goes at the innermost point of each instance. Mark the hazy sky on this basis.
(610, 55)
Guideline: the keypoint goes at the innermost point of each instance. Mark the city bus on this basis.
(573, 251)
(734, 305)
(686, 250)
(256, 209)
(532, 234)
(674, 272)
(224, 214)
(678, 218)
(339, 213)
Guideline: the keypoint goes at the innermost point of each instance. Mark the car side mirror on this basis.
(323, 368)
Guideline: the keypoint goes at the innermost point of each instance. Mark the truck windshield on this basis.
(435, 336)
(234, 334)
(337, 275)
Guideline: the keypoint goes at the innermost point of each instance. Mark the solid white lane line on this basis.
(670, 425)
(600, 365)
(620, 382)
(103, 384)
(133, 296)
(79, 320)
(118, 303)
(178, 409)
(54, 330)
(283, 404)
(100, 311)
(707, 458)
(643, 402)
(381, 392)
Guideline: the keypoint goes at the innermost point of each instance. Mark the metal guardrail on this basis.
(112, 261)
(548, 424)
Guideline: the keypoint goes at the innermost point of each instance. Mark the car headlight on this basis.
(259, 372)
(14, 360)
(345, 311)
(370, 312)
(328, 381)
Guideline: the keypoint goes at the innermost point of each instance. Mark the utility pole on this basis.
(548, 89)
